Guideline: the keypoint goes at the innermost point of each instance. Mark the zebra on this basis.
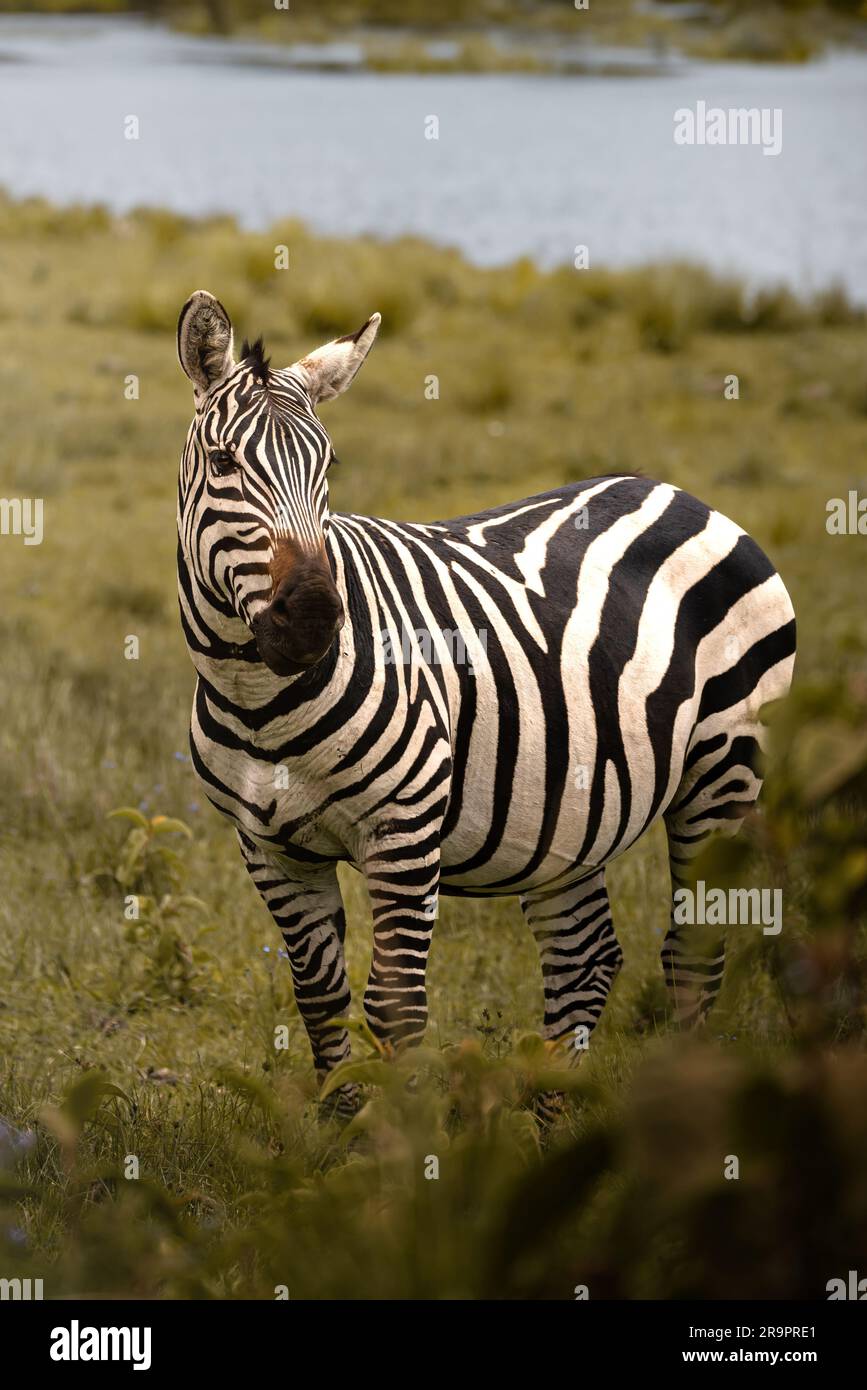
(618, 640)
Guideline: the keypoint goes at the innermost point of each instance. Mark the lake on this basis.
(524, 165)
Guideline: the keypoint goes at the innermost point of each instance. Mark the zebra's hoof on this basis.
(548, 1106)
(342, 1105)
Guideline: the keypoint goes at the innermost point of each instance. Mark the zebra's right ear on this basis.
(205, 342)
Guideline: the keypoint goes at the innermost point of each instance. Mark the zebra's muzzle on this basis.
(302, 620)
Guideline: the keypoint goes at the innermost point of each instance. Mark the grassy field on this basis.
(154, 1041)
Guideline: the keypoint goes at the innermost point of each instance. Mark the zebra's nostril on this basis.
(280, 611)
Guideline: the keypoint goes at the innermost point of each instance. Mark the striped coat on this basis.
(497, 704)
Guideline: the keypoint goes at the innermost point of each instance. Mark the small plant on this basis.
(173, 956)
(145, 858)
(174, 959)
(495, 1034)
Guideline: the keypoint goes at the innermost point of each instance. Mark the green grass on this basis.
(544, 378)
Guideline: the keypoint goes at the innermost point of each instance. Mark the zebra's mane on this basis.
(254, 355)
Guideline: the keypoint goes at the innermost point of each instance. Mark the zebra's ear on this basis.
(205, 343)
(330, 369)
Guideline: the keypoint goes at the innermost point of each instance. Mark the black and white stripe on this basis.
(498, 704)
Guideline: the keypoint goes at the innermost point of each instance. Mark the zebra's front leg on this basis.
(580, 959)
(309, 913)
(403, 883)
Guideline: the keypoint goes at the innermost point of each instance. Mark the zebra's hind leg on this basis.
(720, 786)
(580, 958)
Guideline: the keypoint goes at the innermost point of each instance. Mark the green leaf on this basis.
(190, 900)
(361, 1029)
(373, 1072)
(167, 825)
(81, 1102)
(129, 813)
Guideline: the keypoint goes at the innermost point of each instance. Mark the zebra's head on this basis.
(253, 498)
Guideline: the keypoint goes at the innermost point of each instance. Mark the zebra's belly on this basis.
(541, 841)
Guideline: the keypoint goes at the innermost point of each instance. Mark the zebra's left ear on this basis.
(205, 341)
(330, 369)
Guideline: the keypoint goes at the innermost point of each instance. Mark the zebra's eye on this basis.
(221, 463)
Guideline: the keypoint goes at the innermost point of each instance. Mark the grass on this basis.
(544, 377)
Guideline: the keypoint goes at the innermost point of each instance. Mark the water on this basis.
(524, 165)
